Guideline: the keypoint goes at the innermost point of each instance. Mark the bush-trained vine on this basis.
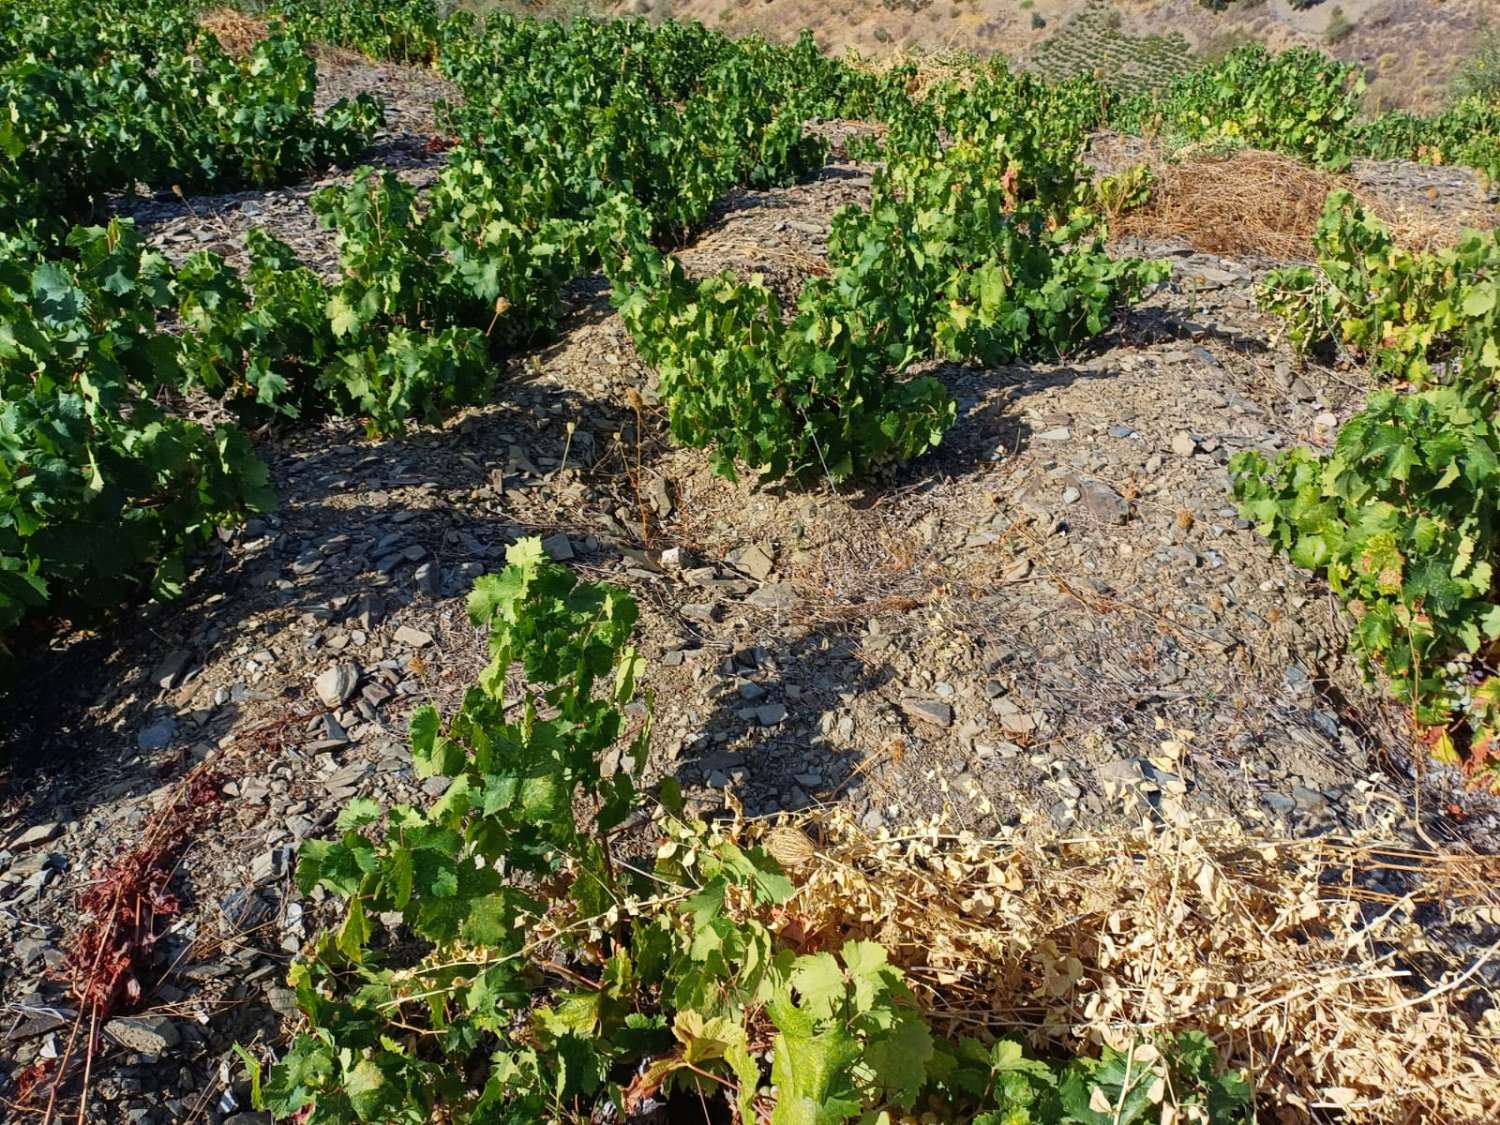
(973, 251)
(1401, 517)
(87, 456)
(1307, 105)
(502, 958)
(406, 31)
(122, 93)
(1298, 101)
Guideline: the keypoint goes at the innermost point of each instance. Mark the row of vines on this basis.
(514, 952)
(565, 160)
(675, 983)
(105, 97)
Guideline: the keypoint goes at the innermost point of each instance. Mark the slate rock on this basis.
(413, 638)
(773, 596)
(426, 578)
(559, 547)
(29, 951)
(36, 834)
(769, 714)
(337, 684)
(928, 711)
(37, 1019)
(753, 561)
(148, 1034)
(1104, 503)
(158, 735)
(169, 671)
(247, 910)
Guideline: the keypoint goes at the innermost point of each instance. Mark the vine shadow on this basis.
(774, 734)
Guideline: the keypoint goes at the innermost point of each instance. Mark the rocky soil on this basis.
(1057, 617)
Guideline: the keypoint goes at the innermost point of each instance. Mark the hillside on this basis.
(601, 572)
(1409, 48)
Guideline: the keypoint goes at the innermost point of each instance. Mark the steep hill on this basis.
(1408, 47)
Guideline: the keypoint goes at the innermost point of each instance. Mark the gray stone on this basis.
(928, 711)
(1183, 444)
(1308, 800)
(370, 610)
(774, 596)
(413, 638)
(147, 1034)
(329, 734)
(337, 684)
(660, 496)
(283, 1001)
(246, 911)
(769, 714)
(37, 1019)
(1104, 503)
(426, 578)
(559, 547)
(36, 834)
(1021, 723)
(753, 561)
(271, 865)
(157, 736)
(29, 951)
(1280, 803)
(169, 671)
(346, 779)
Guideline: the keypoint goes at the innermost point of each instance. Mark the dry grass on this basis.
(1254, 202)
(236, 32)
(1297, 956)
(1247, 203)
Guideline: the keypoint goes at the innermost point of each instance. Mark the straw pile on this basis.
(1254, 202)
(1248, 203)
(1297, 956)
(236, 32)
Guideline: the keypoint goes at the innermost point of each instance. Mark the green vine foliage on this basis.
(1418, 317)
(1467, 132)
(405, 31)
(498, 961)
(1401, 516)
(806, 397)
(1305, 104)
(975, 250)
(87, 454)
(113, 94)
(258, 346)
(1298, 101)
